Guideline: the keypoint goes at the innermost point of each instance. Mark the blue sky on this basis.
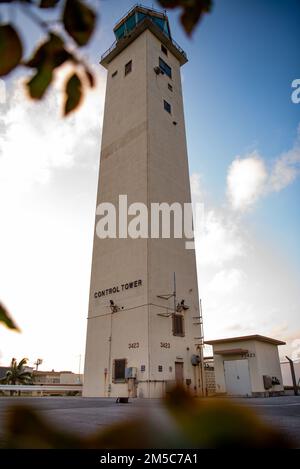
(237, 88)
(240, 123)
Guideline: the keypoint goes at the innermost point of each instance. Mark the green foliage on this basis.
(17, 374)
(73, 93)
(79, 21)
(6, 319)
(50, 55)
(192, 11)
(48, 3)
(10, 49)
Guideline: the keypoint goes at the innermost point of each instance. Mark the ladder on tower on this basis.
(198, 321)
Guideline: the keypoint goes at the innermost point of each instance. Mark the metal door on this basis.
(179, 372)
(237, 377)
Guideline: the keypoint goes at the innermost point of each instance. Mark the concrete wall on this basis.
(219, 362)
(263, 359)
(268, 364)
(286, 373)
(144, 156)
(210, 380)
(71, 378)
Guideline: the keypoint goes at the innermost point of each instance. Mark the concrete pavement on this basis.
(87, 415)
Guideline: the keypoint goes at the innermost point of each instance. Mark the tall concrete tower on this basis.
(144, 325)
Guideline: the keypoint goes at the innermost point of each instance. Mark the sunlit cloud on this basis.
(246, 181)
(48, 181)
(248, 178)
(245, 285)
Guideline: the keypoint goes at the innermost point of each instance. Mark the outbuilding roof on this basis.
(260, 338)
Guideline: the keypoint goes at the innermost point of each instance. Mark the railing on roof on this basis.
(160, 12)
(40, 387)
(174, 43)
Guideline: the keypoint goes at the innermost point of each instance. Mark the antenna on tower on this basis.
(167, 296)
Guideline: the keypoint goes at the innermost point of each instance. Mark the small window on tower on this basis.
(165, 68)
(164, 49)
(167, 106)
(178, 325)
(115, 73)
(128, 67)
(160, 368)
(119, 369)
(170, 87)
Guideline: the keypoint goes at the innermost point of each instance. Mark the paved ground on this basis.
(86, 415)
(282, 412)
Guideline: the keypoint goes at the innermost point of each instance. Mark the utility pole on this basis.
(293, 375)
(79, 367)
(38, 362)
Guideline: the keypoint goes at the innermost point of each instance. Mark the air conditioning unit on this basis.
(195, 360)
(267, 382)
(275, 381)
(131, 372)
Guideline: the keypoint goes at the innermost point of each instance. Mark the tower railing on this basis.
(140, 5)
(112, 47)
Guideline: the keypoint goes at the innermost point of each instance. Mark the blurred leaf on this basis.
(27, 429)
(219, 423)
(192, 11)
(6, 319)
(51, 51)
(48, 3)
(90, 77)
(46, 58)
(38, 84)
(73, 94)
(79, 21)
(185, 422)
(11, 49)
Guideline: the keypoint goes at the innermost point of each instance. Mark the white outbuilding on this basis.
(247, 366)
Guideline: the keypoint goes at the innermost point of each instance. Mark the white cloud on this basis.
(226, 281)
(48, 180)
(245, 285)
(217, 235)
(248, 178)
(196, 190)
(218, 241)
(35, 140)
(286, 169)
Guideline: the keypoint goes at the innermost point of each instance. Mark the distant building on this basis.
(3, 370)
(247, 366)
(287, 375)
(57, 377)
(209, 375)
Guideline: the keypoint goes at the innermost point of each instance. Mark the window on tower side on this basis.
(167, 106)
(165, 67)
(178, 325)
(119, 369)
(128, 67)
(164, 49)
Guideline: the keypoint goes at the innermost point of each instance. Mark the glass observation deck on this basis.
(133, 21)
(137, 14)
